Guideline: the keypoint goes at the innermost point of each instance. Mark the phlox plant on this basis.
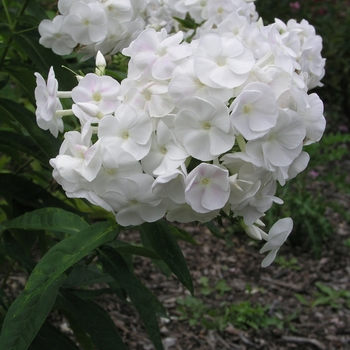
(213, 114)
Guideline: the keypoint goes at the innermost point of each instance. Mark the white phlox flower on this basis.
(86, 22)
(184, 213)
(55, 124)
(78, 158)
(155, 54)
(133, 200)
(277, 235)
(166, 153)
(207, 188)
(233, 26)
(128, 129)
(196, 8)
(119, 10)
(254, 111)
(254, 231)
(311, 113)
(281, 145)
(102, 91)
(222, 62)
(148, 95)
(46, 95)
(203, 127)
(54, 36)
(185, 84)
(160, 14)
(171, 185)
(49, 110)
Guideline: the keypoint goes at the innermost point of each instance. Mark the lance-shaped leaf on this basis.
(143, 300)
(94, 320)
(182, 235)
(24, 76)
(28, 312)
(82, 275)
(29, 193)
(22, 143)
(53, 219)
(165, 245)
(51, 338)
(17, 252)
(14, 114)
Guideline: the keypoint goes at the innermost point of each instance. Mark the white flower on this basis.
(207, 188)
(281, 145)
(54, 36)
(119, 10)
(254, 111)
(103, 91)
(166, 153)
(133, 200)
(46, 95)
(156, 54)
(312, 115)
(184, 213)
(185, 84)
(49, 111)
(78, 158)
(87, 23)
(222, 62)
(171, 185)
(203, 127)
(148, 95)
(278, 234)
(128, 129)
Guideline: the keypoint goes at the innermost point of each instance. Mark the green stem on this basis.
(12, 28)
(9, 20)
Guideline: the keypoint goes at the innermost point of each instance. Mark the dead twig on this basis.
(302, 340)
(294, 287)
(247, 341)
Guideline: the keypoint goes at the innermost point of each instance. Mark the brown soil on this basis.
(302, 326)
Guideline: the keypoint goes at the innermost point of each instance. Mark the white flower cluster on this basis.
(109, 26)
(196, 129)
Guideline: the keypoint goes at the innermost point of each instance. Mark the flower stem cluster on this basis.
(197, 129)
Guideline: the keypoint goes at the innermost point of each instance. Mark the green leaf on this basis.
(94, 320)
(44, 58)
(37, 10)
(29, 310)
(4, 79)
(53, 219)
(187, 23)
(165, 245)
(22, 143)
(27, 314)
(137, 250)
(51, 338)
(183, 235)
(24, 76)
(16, 252)
(28, 193)
(91, 293)
(143, 300)
(82, 275)
(162, 266)
(13, 113)
(216, 231)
